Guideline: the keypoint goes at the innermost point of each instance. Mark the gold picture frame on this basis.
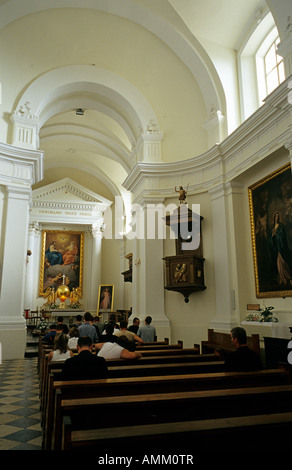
(270, 206)
(61, 254)
(105, 300)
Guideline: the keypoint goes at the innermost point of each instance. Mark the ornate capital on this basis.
(25, 128)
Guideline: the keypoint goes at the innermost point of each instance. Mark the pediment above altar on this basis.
(67, 201)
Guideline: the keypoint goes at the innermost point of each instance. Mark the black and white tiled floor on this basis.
(20, 424)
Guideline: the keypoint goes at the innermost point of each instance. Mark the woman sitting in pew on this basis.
(122, 348)
(73, 338)
(60, 351)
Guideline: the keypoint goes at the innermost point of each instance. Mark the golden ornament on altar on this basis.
(63, 292)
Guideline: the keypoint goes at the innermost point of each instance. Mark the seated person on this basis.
(73, 337)
(85, 365)
(119, 349)
(136, 323)
(60, 321)
(243, 358)
(61, 351)
(108, 334)
(129, 334)
(50, 336)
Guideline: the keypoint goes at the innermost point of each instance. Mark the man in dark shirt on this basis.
(65, 328)
(50, 337)
(136, 323)
(85, 365)
(242, 359)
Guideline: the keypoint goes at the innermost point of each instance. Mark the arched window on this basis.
(261, 69)
(270, 65)
(274, 67)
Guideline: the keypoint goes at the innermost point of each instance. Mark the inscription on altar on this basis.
(42, 211)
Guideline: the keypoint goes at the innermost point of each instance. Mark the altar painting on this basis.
(61, 260)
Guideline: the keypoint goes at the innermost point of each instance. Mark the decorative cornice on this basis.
(66, 185)
(65, 201)
(20, 166)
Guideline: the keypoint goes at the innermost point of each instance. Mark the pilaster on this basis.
(215, 127)
(148, 145)
(148, 273)
(225, 284)
(19, 169)
(25, 128)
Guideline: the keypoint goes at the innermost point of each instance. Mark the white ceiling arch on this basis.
(160, 18)
(99, 144)
(95, 103)
(53, 85)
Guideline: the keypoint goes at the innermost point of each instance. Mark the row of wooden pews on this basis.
(169, 395)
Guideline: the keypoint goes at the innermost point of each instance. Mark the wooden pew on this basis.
(130, 370)
(185, 437)
(158, 359)
(163, 365)
(155, 345)
(166, 341)
(222, 341)
(153, 384)
(142, 370)
(175, 351)
(165, 358)
(84, 414)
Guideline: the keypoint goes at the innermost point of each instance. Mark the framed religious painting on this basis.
(270, 205)
(105, 301)
(61, 259)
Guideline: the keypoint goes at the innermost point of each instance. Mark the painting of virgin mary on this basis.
(270, 202)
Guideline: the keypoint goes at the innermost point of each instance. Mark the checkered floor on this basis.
(20, 425)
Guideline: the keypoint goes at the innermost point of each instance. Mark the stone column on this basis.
(12, 322)
(19, 169)
(94, 235)
(32, 267)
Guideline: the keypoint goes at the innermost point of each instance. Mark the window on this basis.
(261, 69)
(274, 67)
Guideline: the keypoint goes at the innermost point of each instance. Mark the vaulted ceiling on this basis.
(98, 145)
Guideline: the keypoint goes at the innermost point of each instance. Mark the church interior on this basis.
(124, 125)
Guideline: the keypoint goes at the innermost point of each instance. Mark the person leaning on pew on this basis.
(243, 359)
(121, 348)
(85, 365)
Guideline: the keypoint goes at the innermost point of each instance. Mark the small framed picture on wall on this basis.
(105, 301)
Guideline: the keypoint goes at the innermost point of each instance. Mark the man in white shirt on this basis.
(116, 350)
